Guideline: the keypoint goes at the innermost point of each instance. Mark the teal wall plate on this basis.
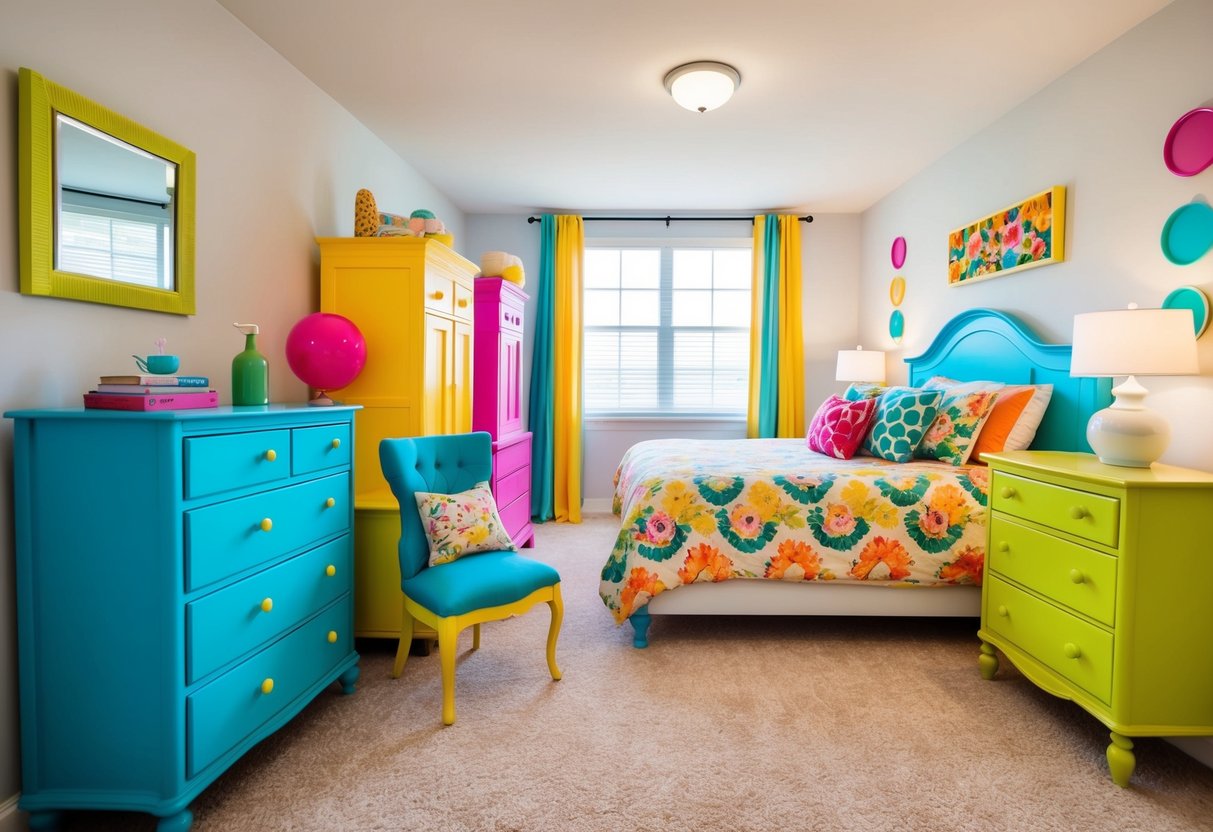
(897, 326)
(1188, 233)
(1190, 297)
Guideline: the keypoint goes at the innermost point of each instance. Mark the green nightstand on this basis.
(1099, 588)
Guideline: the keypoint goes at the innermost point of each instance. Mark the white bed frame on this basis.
(976, 344)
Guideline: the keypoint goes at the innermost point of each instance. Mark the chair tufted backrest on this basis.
(444, 464)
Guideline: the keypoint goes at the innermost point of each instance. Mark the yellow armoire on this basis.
(412, 300)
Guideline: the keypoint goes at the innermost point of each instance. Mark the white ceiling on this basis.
(559, 105)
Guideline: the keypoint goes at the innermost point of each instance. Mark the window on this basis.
(667, 330)
(115, 238)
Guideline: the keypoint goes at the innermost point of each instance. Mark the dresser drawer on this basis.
(224, 712)
(512, 486)
(235, 460)
(315, 449)
(1051, 636)
(439, 293)
(514, 516)
(1080, 513)
(463, 302)
(232, 621)
(508, 458)
(226, 538)
(510, 318)
(1080, 578)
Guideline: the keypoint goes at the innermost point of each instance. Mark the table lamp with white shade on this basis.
(1132, 342)
(860, 365)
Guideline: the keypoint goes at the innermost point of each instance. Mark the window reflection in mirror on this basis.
(114, 214)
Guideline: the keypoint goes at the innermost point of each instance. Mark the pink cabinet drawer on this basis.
(511, 318)
(508, 458)
(516, 517)
(512, 486)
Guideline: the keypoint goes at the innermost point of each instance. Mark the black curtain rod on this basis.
(668, 220)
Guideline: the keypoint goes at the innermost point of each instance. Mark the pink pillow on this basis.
(839, 426)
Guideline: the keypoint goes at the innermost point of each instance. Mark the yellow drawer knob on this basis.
(1007, 493)
(267, 686)
(1072, 651)
(330, 570)
(462, 301)
(330, 502)
(332, 636)
(1076, 576)
(438, 295)
(336, 444)
(1002, 610)
(267, 605)
(1003, 546)
(271, 455)
(266, 524)
(1078, 513)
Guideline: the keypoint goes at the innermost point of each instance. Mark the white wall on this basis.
(830, 264)
(1099, 131)
(278, 164)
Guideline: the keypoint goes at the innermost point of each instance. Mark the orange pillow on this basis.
(1006, 412)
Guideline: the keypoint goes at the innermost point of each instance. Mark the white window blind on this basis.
(115, 239)
(667, 330)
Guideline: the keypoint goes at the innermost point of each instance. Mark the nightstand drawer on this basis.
(314, 449)
(1080, 513)
(226, 624)
(235, 460)
(227, 538)
(1079, 651)
(224, 712)
(1080, 578)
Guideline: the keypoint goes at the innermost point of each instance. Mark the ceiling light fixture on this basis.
(702, 85)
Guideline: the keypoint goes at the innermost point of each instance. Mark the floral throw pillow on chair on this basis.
(461, 524)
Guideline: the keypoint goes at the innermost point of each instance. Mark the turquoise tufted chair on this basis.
(487, 586)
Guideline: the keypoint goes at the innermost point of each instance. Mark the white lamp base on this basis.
(1128, 433)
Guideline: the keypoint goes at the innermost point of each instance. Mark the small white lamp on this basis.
(860, 365)
(702, 85)
(1132, 342)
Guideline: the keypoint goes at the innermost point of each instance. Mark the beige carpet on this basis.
(726, 724)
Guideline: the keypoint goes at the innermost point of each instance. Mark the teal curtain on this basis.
(768, 362)
(541, 393)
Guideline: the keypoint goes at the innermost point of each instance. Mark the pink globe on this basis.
(326, 351)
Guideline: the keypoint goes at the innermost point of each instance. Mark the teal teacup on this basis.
(158, 364)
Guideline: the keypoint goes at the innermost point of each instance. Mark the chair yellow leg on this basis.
(475, 636)
(406, 641)
(448, 637)
(557, 606)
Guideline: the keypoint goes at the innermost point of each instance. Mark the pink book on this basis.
(153, 401)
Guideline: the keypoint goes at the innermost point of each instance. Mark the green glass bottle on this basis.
(250, 371)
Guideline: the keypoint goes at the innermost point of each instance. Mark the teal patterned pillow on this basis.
(902, 417)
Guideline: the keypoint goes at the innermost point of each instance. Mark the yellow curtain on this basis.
(566, 381)
(776, 406)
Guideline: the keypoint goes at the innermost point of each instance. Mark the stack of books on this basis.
(147, 392)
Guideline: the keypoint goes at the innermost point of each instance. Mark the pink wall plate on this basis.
(1189, 146)
(899, 252)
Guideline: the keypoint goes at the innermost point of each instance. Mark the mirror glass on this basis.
(107, 205)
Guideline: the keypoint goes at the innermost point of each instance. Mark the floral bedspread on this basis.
(711, 510)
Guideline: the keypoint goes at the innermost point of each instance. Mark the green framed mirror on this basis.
(107, 205)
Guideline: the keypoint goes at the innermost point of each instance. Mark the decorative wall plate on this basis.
(1188, 148)
(897, 290)
(899, 252)
(1190, 297)
(1188, 233)
(897, 326)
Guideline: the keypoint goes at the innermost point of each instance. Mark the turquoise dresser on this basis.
(1099, 588)
(183, 589)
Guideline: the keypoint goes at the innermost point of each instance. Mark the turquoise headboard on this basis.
(984, 344)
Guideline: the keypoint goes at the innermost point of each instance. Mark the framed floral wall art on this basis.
(1027, 234)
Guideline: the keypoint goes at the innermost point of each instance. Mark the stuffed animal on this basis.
(501, 264)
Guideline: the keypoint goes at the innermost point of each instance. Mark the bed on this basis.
(767, 527)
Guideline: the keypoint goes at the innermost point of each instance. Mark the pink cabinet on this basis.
(497, 399)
